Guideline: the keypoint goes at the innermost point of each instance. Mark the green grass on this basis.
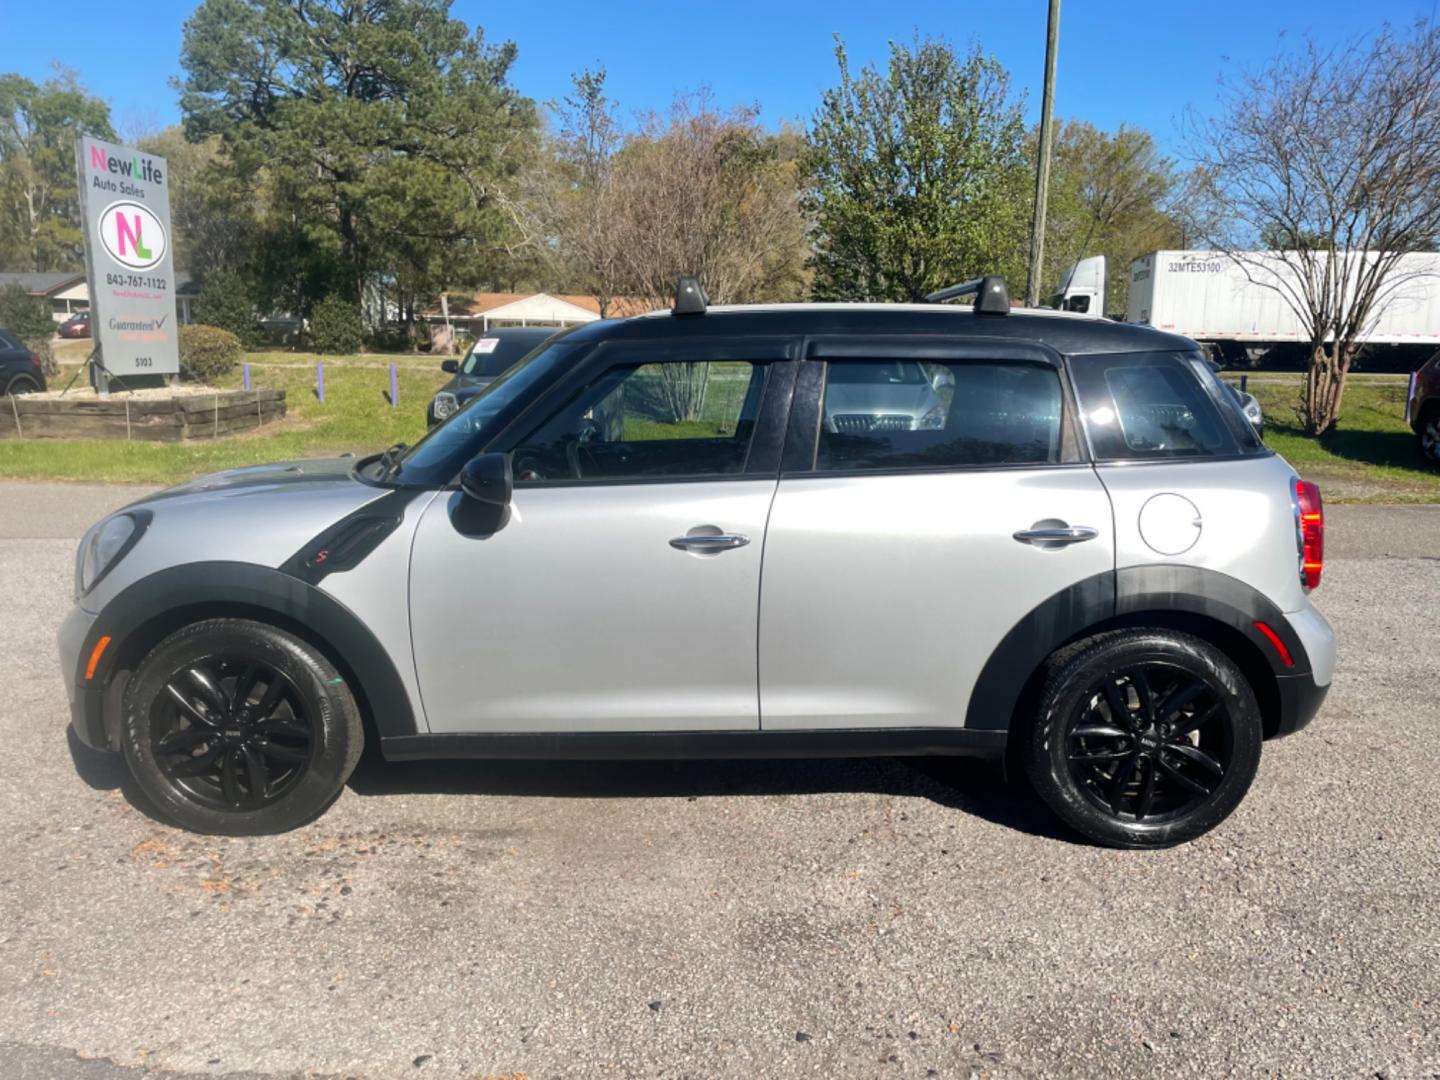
(355, 415)
(1371, 456)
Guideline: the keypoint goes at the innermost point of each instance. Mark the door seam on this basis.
(759, 603)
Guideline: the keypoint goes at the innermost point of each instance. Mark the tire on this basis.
(1429, 436)
(1095, 748)
(200, 750)
(22, 384)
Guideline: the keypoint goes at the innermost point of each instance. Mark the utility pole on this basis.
(1042, 168)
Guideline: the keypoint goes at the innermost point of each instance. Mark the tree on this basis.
(379, 130)
(1334, 155)
(1108, 196)
(917, 175)
(28, 317)
(335, 326)
(565, 204)
(696, 190)
(226, 302)
(214, 214)
(710, 193)
(40, 226)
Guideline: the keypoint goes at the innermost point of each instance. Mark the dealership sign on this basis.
(126, 202)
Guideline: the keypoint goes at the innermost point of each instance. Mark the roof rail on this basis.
(690, 298)
(992, 295)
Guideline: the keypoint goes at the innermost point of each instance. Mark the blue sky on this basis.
(1139, 62)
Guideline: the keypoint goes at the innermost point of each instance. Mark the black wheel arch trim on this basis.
(1180, 597)
(157, 604)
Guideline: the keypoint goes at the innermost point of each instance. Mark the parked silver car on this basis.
(761, 531)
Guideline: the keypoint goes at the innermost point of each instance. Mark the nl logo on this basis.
(132, 235)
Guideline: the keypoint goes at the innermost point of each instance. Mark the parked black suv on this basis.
(490, 355)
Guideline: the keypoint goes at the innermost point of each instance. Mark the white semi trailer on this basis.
(1209, 297)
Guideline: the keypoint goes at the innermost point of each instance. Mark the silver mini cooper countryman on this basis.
(806, 530)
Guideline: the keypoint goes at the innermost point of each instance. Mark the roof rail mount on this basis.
(690, 298)
(992, 295)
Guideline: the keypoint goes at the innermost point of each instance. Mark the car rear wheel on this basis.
(1430, 436)
(237, 727)
(1144, 738)
(22, 384)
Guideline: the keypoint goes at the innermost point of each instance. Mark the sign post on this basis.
(125, 206)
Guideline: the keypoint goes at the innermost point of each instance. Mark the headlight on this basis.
(104, 546)
(933, 420)
(445, 405)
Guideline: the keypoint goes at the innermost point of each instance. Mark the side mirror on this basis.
(488, 479)
(450, 367)
(942, 379)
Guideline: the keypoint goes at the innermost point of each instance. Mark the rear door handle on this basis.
(1057, 536)
(709, 542)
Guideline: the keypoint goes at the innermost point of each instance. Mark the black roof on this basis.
(1068, 334)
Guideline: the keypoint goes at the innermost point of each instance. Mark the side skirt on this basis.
(661, 745)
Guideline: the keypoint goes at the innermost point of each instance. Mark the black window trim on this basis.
(802, 438)
(778, 351)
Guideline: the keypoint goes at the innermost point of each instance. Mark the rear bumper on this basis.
(1302, 695)
(1300, 699)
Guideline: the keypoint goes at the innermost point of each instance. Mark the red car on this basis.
(1423, 410)
(77, 326)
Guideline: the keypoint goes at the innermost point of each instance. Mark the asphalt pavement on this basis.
(750, 919)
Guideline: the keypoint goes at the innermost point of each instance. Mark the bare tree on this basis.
(1333, 157)
(565, 209)
(710, 193)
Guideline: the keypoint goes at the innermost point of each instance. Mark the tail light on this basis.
(1309, 531)
(35, 359)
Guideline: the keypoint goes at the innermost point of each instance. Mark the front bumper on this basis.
(87, 704)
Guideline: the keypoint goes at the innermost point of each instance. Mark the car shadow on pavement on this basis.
(103, 771)
(973, 787)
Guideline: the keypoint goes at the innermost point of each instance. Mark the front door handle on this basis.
(1057, 535)
(709, 542)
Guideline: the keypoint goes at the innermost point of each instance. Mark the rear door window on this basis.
(1151, 406)
(912, 414)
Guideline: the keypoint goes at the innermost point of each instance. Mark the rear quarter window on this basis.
(1157, 406)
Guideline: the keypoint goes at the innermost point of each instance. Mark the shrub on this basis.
(208, 352)
(335, 326)
(28, 318)
(226, 301)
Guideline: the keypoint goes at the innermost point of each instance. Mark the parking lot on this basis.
(750, 919)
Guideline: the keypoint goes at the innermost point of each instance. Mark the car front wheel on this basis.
(236, 727)
(1144, 738)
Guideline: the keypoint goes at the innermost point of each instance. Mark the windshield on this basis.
(437, 457)
(493, 353)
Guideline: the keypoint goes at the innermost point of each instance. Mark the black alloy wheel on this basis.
(237, 727)
(233, 732)
(1149, 744)
(1143, 738)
